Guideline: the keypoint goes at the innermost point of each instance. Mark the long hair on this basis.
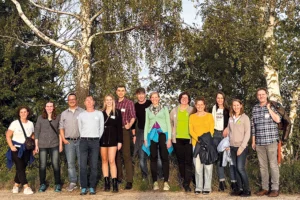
(224, 97)
(204, 102)
(23, 107)
(232, 113)
(45, 114)
(113, 103)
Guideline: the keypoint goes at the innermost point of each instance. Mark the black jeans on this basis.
(21, 164)
(54, 155)
(163, 151)
(239, 163)
(184, 153)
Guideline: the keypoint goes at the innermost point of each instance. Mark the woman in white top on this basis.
(17, 153)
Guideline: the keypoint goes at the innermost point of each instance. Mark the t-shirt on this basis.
(219, 120)
(140, 110)
(182, 128)
(18, 135)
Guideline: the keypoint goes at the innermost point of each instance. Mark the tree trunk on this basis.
(293, 108)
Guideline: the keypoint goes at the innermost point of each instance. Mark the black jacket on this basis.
(206, 150)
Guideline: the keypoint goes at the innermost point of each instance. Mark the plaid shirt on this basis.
(263, 127)
(127, 109)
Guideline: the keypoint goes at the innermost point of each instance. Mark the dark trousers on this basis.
(162, 147)
(239, 163)
(89, 151)
(125, 152)
(54, 155)
(183, 150)
(21, 164)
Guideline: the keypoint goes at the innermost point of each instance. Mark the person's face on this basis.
(236, 106)
(23, 113)
(220, 99)
(184, 100)
(72, 101)
(155, 99)
(200, 106)
(121, 92)
(89, 102)
(262, 96)
(108, 101)
(49, 108)
(141, 97)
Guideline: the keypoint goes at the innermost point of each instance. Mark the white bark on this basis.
(293, 108)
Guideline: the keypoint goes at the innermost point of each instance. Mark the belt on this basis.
(89, 138)
(73, 138)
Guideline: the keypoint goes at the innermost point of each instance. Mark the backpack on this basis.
(285, 124)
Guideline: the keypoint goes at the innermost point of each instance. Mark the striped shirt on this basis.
(263, 127)
(127, 110)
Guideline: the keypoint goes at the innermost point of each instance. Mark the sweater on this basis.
(45, 135)
(200, 125)
(91, 124)
(239, 131)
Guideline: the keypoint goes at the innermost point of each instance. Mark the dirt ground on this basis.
(129, 195)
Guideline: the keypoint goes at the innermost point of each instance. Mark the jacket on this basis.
(206, 150)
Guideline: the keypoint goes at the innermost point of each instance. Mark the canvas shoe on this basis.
(43, 188)
(155, 186)
(166, 186)
(71, 187)
(15, 190)
(28, 190)
(57, 188)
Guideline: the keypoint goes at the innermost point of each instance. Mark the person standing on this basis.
(239, 134)
(220, 113)
(69, 132)
(128, 117)
(264, 141)
(48, 141)
(17, 153)
(111, 141)
(91, 125)
(181, 138)
(157, 136)
(200, 123)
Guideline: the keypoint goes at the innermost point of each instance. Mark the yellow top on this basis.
(199, 125)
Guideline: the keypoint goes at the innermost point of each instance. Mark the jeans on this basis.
(218, 136)
(160, 147)
(184, 150)
(54, 155)
(268, 154)
(72, 151)
(89, 151)
(21, 164)
(239, 163)
(199, 170)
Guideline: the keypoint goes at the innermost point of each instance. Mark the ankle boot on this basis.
(115, 185)
(222, 186)
(235, 191)
(106, 184)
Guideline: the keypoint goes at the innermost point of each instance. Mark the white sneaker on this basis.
(155, 186)
(15, 190)
(166, 186)
(71, 187)
(28, 190)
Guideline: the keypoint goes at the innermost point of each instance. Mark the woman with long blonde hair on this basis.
(111, 141)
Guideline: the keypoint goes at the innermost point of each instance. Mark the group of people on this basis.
(196, 136)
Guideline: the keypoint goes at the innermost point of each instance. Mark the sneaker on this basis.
(71, 187)
(57, 188)
(155, 186)
(27, 190)
(166, 186)
(92, 191)
(84, 191)
(43, 188)
(15, 190)
(206, 192)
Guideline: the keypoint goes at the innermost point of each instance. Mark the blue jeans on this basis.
(54, 155)
(72, 151)
(239, 163)
(89, 151)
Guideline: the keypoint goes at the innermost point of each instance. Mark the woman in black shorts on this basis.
(111, 141)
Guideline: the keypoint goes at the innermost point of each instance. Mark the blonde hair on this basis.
(113, 103)
(155, 92)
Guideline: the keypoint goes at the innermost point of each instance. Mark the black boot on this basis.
(115, 185)
(222, 186)
(235, 191)
(106, 184)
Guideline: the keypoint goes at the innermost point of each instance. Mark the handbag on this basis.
(29, 142)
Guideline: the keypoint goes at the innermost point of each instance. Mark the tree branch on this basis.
(24, 43)
(54, 11)
(39, 33)
(96, 15)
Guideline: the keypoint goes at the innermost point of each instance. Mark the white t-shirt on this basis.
(18, 135)
(219, 120)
